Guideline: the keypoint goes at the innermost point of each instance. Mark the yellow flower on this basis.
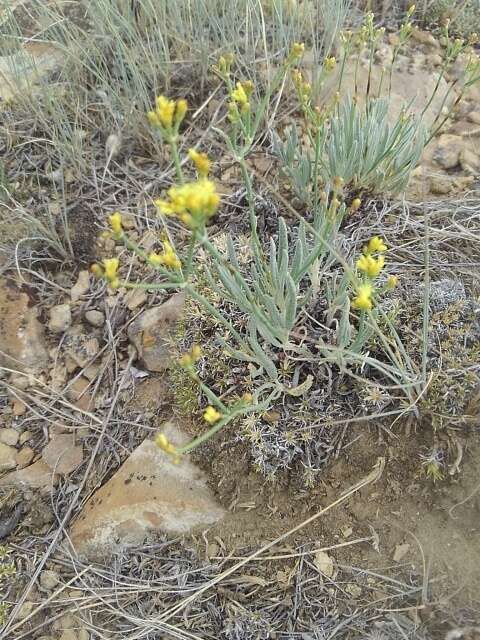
(201, 162)
(153, 119)
(239, 95)
(297, 50)
(375, 244)
(248, 87)
(370, 265)
(363, 299)
(193, 202)
(188, 359)
(356, 204)
(111, 268)
(392, 282)
(338, 183)
(164, 443)
(297, 78)
(167, 258)
(211, 415)
(165, 111)
(330, 63)
(116, 223)
(181, 110)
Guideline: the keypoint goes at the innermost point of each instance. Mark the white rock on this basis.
(9, 436)
(95, 318)
(60, 318)
(7, 457)
(80, 288)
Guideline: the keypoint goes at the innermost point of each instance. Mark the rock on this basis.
(151, 331)
(425, 37)
(474, 116)
(36, 476)
(25, 437)
(62, 455)
(69, 634)
(78, 393)
(24, 68)
(81, 286)
(24, 457)
(7, 457)
(25, 610)
(401, 551)
(67, 621)
(435, 60)
(22, 340)
(135, 298)
(9, 436)
(60, 318)
(18, 407)
(80, 347)
(49, 579)
(346, 531)
(324, 563)
(440, 186)
(148, 494)
(447, 153)
(95, 318)
(470, 161)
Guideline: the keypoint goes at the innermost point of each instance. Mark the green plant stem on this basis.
(176, 159)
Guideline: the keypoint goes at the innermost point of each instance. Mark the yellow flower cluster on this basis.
(330, 63)
(168, 258)
(109, 271)
(164, 443)
(191, 357)
(168, 113)
(201, 161)
(116, 223)
(211, 415)
(371, 266)
(193, 202)
(240, 99)
(296, 52)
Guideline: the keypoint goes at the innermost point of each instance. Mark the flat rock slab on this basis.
(22, 342)
(148, 494)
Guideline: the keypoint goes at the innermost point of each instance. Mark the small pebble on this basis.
(95, 318)
(49, 579)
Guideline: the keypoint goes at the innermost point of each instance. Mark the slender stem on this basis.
(176, 159)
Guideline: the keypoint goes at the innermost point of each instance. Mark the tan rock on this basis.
(19, 408)
(78, 393)
(440, 185)
(470, 161)
(36, 476)
(62, 454)
(447, 153)
(22, 340)
(60, 318)
(153, 330)
(25, 610)
(149, 493)
(81, 287)
(95, 318)
(24, 457)
(9, 436)
(135, 298)
(7, 457)
(24, 437)
(324, 563)
(474, 116)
